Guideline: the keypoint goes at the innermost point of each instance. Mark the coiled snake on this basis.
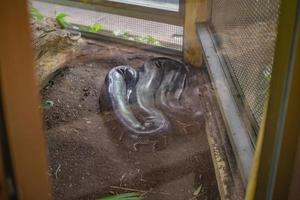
(137, 96)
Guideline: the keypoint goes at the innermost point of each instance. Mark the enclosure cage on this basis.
(198, 71)
(246, 51)
(243, 34)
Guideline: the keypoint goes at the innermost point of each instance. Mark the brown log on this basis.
(53, 48)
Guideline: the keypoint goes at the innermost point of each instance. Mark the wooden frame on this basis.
(275, 156)
(196, 11)
(20, 101)
(7, 179)
(294, 191)
(129, 10)
(3, 184)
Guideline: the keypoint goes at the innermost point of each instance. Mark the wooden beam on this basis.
(3, 184)
(20, 100)
(7, 182)
(252, 184)
(291, 127)
(195, 12)
(274, 160)
(294, 192)
(181, 8)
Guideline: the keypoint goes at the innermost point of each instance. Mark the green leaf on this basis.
(48, 104)
(150, 40)
(197, 191)
(60, 18)
(267, 72)
(35, 13)
(95, 28)
(121, 33)
(125, 196)
(139, 39)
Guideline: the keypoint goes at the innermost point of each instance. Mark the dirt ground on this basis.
(88, 159)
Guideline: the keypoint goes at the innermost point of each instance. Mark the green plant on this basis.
(150, 40)
(60, 18)
(121, 33)
(139, 39)
(48, 104)
(35, 13)
(267, 72)
(125, 196)
(95, 28)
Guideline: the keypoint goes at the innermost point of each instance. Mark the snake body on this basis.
(137, 96)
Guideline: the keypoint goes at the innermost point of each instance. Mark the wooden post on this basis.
(3, 185)
(20, 101)
(272, 170)
(195, 11)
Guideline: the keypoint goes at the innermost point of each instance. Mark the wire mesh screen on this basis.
(161, 4)
(139, 30)
(245, 33)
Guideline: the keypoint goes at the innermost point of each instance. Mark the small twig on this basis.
(56, 171)
(137, 190)
(185, 131)
(121, 136)
(128, 189)
(185, 125)
(144, 194)
(165, 140)
(122, 178)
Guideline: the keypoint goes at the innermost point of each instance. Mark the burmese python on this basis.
(137, 96)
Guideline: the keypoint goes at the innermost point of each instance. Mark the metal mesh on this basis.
(245, 33)
(161, 4)
(160, 34)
